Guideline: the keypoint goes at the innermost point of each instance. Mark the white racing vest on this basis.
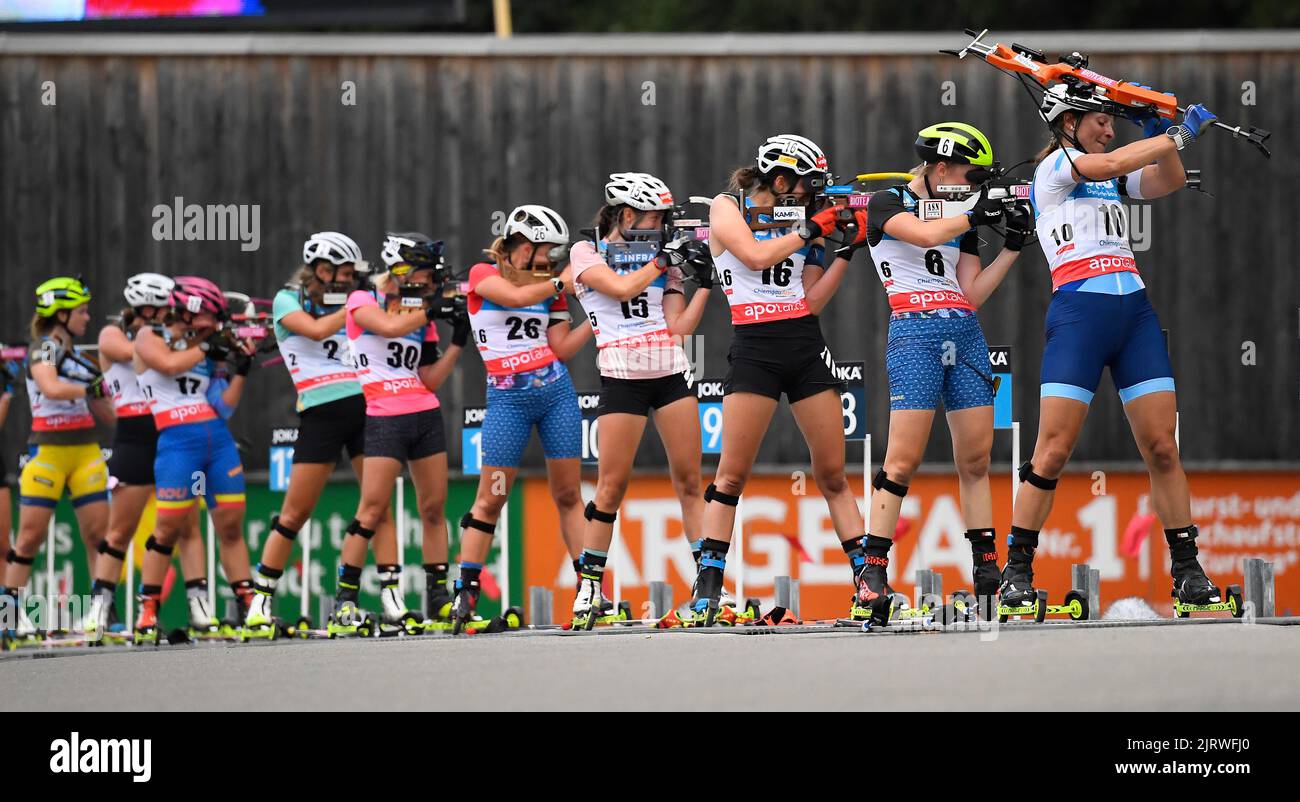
(762, 296)
(52, 415)
(1082, 227)
(632, 337)
(314, 364)
(128, 399)
(178, 399)
(512, 340)
(918, 279)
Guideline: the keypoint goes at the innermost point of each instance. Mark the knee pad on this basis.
(468, 521)
(355, 528)
(714, 494)
(1041, 482)
(104, 548)
(286, 532)
(14, 557)
(152, 544)
(592, 513)
(883, 482)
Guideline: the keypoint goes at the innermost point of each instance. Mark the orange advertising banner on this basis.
(1097, 519)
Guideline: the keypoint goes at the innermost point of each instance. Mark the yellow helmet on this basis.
(58, 293)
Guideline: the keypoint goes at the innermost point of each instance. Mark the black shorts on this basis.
(325, 430)
(784, 356)
(639, 396)
(405, 437)
(135, 445)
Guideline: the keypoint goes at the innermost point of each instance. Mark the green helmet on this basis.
(58, 293)
(954, 142)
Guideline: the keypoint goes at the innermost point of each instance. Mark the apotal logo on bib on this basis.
(75, 755)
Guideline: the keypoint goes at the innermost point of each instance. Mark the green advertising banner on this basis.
(329, 520)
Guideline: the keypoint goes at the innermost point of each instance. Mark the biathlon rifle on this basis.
(1116, 97)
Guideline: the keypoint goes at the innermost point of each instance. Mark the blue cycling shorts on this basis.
(512, 414)
(197, 459)
(932, 356)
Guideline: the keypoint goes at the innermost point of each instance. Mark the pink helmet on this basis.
(195, 295)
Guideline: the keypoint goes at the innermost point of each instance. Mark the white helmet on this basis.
(793, 152)
(537, 224)
(333, 247)
(1059, 99)
(148, 289)
(639, 190)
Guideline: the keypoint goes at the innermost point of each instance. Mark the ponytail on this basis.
(606, 219)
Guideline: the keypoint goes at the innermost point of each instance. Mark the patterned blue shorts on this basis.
(932, 356)
(512, 414)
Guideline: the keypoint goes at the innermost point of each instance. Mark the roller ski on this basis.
(203, 624)
(259, 623)
(349, 621)
(1193, 592)
(705, 607)
(592, 609)
(438, 609)
(466, 620)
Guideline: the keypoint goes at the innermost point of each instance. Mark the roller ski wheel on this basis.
(267, 631)
(1076, 606)
(1234, 604)
(300, 628)
(1037, 608)
(408, 624)
(145, 636)
(964, 607)
(511, 619)
(348, 621)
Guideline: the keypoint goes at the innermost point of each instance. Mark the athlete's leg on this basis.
(820, 418)
(909, 431)
(748, 416)
(620, 435)
(306, 483)
(679, 429)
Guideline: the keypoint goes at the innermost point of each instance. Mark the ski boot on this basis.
(463, 608)
(1016, 594)
(591, 607)
(146, 623)
(706, 597)
(203, 624)
(987, 577)
(25, 632)
(96, 621)
(872, 602)
(395, 618)
(348, 620)
(259, 623)
(438, 606)
(1193, 591)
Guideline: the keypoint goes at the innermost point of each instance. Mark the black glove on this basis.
(987, 211)
(216, 346)
(699, 263)
(96, 388)
(460, 329)
(672, 254)
(242, 361)
(440, 307)
(1020, 226)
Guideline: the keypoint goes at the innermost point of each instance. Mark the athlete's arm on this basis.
(978, 283)
(1165, 177)
(434, 374)
(234, 391)
(376, 321)
(912, 230)
(602, 279)
(50, 385)
(820, 284)
(728, 229)
(683, 317)
(566, 340)
(1124, 160)
(114, 346)
(501, 291)
(315, 328)
(156, 354)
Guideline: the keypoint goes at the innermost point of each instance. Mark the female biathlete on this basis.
(196, 454)
(395, 347)
(520, 319)
(639, 314)
(130, 468)
(67, 394)
(310, 317)
(1100, 317)
(776, 285)
(933, 277)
